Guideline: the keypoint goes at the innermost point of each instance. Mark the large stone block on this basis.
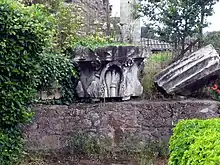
(190, 73)
(110, 72)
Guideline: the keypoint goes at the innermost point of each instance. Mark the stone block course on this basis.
(54, 125)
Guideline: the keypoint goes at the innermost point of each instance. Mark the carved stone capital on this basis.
(110, 72)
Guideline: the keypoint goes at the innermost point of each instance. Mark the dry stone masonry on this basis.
(128, 123)
(94, 14)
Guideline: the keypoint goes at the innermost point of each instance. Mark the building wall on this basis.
(131, 29)
(94, 12)
(121, 122)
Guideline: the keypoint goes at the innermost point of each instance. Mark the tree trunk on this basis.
(107, 18)
(182, 47)
(201, 26)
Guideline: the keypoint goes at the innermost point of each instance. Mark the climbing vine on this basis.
(24, 31)
(58, 70)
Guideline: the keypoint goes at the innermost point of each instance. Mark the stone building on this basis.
(130, 21)
(95, 13)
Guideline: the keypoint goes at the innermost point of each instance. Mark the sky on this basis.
(214, 20)
(115, 7)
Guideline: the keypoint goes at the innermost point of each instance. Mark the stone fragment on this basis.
(110, 72)
(190, 73)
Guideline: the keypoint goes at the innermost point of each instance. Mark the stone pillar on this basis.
(130, 26)
(190, 72)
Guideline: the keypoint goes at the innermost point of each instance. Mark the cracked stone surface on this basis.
(190, 73)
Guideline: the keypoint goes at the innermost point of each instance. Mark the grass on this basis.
(33, 160)
(93, 42)
(153, 65)
(161, 57)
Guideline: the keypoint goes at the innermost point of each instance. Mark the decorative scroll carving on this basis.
(110, 72)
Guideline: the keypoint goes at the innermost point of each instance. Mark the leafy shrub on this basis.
(58, 70)
(25, 31)
(11, 143)
(94, 41)
(68, 21)
(205, 150)
(195, 142)
(212, 38)
(150, 70)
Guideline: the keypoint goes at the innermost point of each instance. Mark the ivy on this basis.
(58, 70)
(11, 143)
(28, 36)
(24, 31)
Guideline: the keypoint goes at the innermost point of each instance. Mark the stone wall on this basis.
(94, 13)
(54, 125)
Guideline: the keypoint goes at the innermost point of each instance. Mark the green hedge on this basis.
(195, 142)
(24, 32)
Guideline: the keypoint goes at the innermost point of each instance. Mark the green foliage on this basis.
(161, 57)
(24, 33)
(58, 70)
(69, 21)
(175, 20)
(95, 41)
(11, 143)
(214, 39)
(51, 5)
(205, 150)
(85, 144)
(21, 42)
(195, 142)
(154, 65)
(168, 19)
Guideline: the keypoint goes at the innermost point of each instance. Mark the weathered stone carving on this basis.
(191, 72)
(110, 72)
